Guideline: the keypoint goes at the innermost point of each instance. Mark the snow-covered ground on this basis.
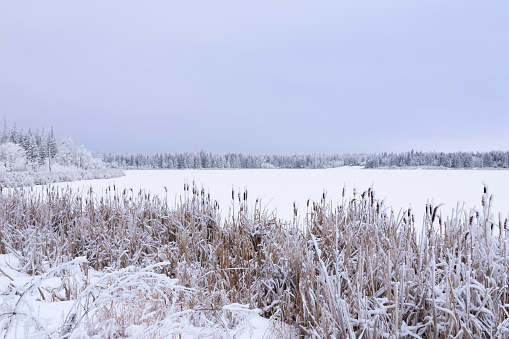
(49, 301)
(280, 188)
(59, 302)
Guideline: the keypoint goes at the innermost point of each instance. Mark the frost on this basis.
(125, 264)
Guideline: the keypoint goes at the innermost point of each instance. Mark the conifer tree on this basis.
(52, 148)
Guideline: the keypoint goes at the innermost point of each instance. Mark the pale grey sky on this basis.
(260, 77)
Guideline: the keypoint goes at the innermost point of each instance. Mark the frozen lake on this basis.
(278, 189)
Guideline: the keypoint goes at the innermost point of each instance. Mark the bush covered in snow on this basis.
(29, 178)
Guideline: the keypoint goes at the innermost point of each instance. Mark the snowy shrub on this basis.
(59, 174)
(125, 300)
(16, 306)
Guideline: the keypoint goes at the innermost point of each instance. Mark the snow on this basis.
(20, 294)
(46, 314)
(278, 189)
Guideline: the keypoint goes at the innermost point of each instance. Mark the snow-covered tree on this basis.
(51, 147)
(12, 157)
(487, 160)
(31, 150)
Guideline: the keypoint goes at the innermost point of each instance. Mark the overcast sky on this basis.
(259, 77)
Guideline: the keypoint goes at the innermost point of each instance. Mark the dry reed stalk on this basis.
(351, 270)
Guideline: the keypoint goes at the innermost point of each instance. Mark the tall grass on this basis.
(356, 269)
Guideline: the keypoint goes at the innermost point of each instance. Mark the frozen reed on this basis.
(353, 270)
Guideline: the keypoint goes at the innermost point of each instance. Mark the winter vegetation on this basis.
(75, 263)
(127, 264)
(202, 159)
(34, 158)
(493, 159)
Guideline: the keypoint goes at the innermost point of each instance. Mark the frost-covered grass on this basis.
(144, 268)
(60, 174)
(75, 301)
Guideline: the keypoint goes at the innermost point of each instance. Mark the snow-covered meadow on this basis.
(278, 189)
(150, 255)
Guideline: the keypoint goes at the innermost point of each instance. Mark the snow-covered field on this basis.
(28, 312)
(278, 189)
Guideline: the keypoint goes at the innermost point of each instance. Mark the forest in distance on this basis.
(41, 150)
(203, 159)
(40, 157)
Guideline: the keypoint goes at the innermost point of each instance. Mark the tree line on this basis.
(493, 159)
(204, 160)
(41, 150)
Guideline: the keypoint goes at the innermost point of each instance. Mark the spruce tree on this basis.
(52, 148)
